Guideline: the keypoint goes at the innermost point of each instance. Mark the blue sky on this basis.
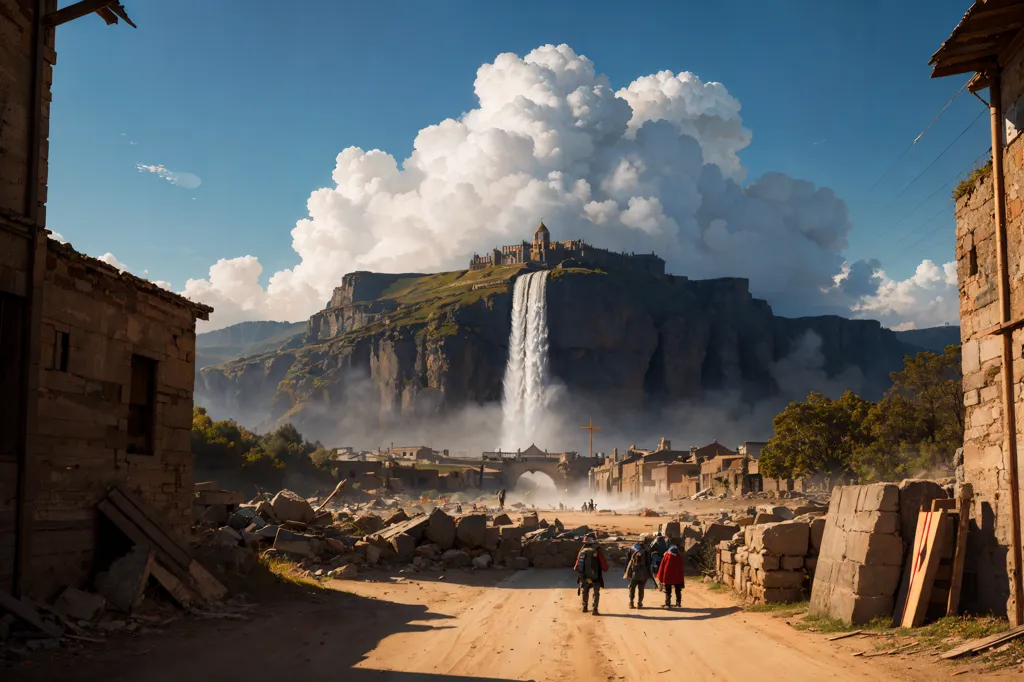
(257, 100)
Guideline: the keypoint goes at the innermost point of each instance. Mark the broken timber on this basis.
(28, 614)
(960, 555)
(979, 645)
(924, 563)
(143, 528)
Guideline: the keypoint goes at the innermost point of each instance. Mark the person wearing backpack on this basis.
(670, 575)
(590, 567)
(638, 571)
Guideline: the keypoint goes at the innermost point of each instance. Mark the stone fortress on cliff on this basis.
(547, 253)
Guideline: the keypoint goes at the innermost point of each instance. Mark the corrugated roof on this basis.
(982, 40)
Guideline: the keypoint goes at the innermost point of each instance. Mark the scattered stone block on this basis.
(291, 507)
(397, 517)
(456, 558)
(482, 561)
(762, 518)
(78, 605)
(346, 572)
(440, 529)
(404, 546)
(520, 563)
(471, 531)
(502, 520)
(529, 521)
(297, 543)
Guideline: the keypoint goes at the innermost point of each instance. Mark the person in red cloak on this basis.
(670, 575)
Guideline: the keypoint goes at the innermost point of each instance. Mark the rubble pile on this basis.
(774, 557)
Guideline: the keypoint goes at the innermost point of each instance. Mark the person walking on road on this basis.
(590, 567)
(638, 571)
(670, 576)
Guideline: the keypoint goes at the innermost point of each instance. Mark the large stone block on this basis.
(471, 531)
(790, 538)
(781, 579)
(882, 497)
(291, 507)
(817, 528)
(404, 546)
(874, 548)
(915, 494)
(868, 580)
(874, 522)
(764, 562)
(440, 529)
(849, 607)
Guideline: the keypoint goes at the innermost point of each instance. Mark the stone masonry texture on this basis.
(861, 557)
(986, 574)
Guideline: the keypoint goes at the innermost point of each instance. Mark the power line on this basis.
(925, 223)
(918, 138)
(959, 173)
(941, 154)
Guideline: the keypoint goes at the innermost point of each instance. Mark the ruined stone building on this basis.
(96, 366)
(989, 235)
(543, 251)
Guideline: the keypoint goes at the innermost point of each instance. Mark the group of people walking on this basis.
(647, 560)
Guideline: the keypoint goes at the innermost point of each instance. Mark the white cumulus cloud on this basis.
(186, 180)
(927, 298)
(653, 166)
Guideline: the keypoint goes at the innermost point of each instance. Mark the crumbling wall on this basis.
(17, 223)
(986, 581)
(94, 319)
(861, 558)
(771, 562)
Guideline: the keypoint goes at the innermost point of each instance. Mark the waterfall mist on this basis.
(526, 374)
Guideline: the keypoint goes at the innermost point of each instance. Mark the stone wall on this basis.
(861, 558)
(18, 221)
(771, 562)
(986, 581)
(96, 324)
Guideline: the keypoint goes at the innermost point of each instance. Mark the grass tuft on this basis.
(785, 609)
(967, 186)
(290, 573)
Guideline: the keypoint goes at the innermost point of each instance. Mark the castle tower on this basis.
(541, 244)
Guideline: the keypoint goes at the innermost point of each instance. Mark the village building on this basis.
(676, 480)
(415, 453)
(542, 251)
(989, 240)
(96, 365)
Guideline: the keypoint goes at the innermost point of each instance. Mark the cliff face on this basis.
(415, 344)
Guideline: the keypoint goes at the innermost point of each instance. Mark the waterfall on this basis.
(526, 373)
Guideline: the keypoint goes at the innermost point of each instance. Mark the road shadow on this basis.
(298, 634)
(656, 613)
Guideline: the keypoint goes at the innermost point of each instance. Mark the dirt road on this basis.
(484, 626)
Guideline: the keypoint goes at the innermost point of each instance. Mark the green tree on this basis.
(919, 423)
(818, 435)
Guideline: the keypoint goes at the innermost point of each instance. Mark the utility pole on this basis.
(591, 428)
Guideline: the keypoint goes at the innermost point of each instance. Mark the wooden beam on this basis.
(992, 30)
(960, 554)
(983, 64)
(29, 615)
(1006, 368)
(75, 11)
(979, 645)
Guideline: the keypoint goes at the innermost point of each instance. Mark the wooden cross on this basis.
(591, 428)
